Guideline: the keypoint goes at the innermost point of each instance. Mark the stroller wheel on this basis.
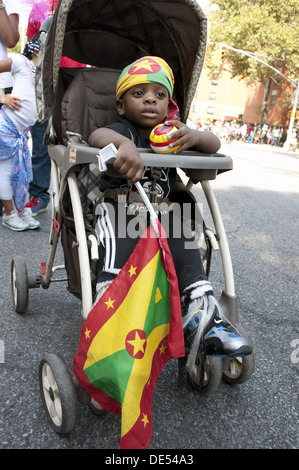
(19, 284)
(58, 393)
(96, 408)
(238, 370)
(208, 374)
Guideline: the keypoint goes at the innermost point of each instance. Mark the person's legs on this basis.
(6, 194)
(204, 330)
(8, 206)
(41, 168)
(116, 240)
(13, 219)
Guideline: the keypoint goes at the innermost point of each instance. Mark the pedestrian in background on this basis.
(294, 141)
(15, 157)
(9, 36)
(41, 163)
(276, 136)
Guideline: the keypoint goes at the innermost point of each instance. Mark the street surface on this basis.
(259, 202)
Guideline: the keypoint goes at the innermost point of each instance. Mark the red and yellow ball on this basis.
(160, 138)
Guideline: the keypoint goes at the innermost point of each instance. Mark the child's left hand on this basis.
(203, 141)
(187, 137)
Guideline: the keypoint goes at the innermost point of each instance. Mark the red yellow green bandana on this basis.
(148, 69)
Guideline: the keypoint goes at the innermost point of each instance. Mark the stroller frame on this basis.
(205, 168)
(123, 27)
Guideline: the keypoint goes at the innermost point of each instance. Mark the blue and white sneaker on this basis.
(223, 339)
(36, 206)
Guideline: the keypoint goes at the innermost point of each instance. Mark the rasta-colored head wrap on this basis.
(148, 69)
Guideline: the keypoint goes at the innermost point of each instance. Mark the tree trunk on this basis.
(264, 109)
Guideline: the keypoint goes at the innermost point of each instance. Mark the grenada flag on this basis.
(130, 334)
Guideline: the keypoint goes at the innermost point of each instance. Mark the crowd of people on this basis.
(228, 131)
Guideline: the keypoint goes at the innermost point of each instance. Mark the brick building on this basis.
(225, 98)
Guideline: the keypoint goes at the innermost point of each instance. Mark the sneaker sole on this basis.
(15, 229)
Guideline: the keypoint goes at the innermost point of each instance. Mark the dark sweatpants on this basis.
(120, 230)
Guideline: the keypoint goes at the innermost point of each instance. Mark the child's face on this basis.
(145, 105)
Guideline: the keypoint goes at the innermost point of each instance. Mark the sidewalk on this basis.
(270, 148)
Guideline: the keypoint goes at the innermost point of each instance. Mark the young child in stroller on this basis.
(143, 100)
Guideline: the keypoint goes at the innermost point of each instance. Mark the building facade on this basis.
(221, 97)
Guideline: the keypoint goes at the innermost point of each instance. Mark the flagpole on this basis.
(150, 208)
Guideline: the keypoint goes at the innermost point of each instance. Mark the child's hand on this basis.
(128, 162)
(204, 141)
(12, 102)
(185, 135)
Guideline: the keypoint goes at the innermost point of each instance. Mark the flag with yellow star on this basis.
(130, 334)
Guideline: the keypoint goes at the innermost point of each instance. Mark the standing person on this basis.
(276, 136)
(9, 36)
(41, 163)
(294, 140)
(143, 97)
(15, 119)
(243, 131)
(269, 136)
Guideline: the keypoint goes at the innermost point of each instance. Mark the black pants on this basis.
(120, 230)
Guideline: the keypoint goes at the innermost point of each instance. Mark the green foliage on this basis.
(267, 28)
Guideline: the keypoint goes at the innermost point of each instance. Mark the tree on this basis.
(267, 28)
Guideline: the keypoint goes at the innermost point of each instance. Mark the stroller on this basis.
(107, 36)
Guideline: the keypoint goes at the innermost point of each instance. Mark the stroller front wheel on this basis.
(58, 393)
(238, 370)
(208, 375)
(19, 284)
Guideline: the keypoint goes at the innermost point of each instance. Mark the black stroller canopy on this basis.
(113, 33)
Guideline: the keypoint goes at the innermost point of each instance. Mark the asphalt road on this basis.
(259, 205)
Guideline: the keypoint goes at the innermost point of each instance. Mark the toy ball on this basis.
(159, 138)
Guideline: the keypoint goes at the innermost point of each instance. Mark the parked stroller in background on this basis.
(107, 36)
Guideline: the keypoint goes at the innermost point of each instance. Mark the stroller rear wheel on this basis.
(208, 375)
(19, 284)
(58, 393)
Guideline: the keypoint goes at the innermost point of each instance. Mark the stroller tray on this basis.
(198, 167)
